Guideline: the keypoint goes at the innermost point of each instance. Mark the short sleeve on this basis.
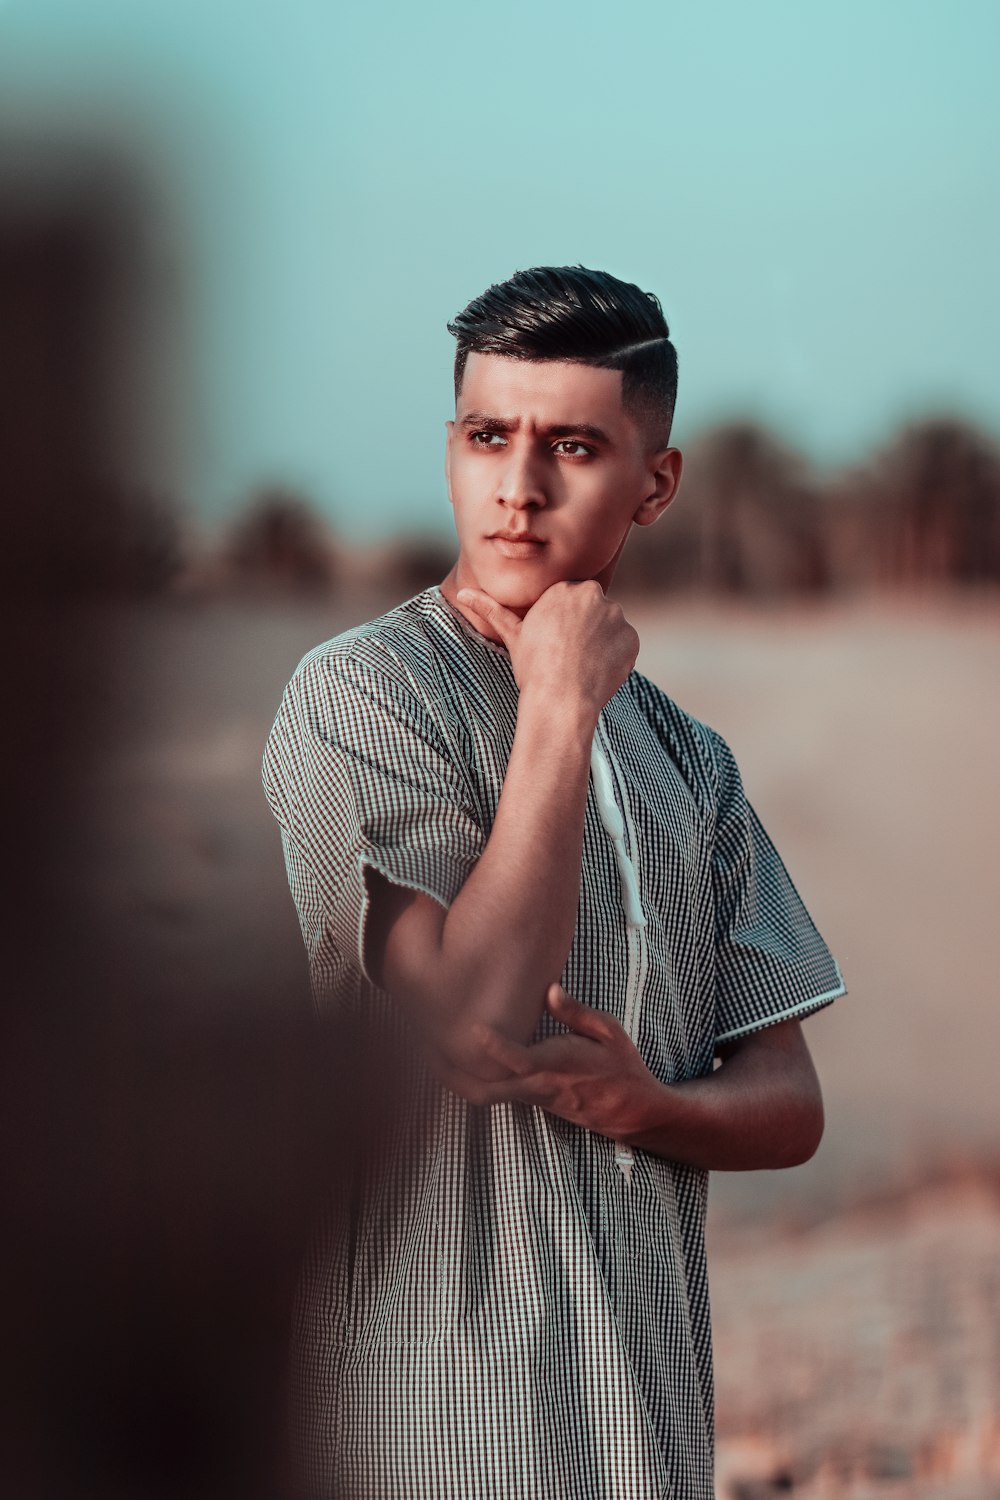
(360, 777)
(771, 963)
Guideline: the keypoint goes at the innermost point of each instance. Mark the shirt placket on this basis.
(609, 790)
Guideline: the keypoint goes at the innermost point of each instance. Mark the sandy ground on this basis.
(855, 1300)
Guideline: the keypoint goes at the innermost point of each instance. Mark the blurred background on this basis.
(230, 240)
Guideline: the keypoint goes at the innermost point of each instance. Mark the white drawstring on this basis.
(614, 824)
(635, 916)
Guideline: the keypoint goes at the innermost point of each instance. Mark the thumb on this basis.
(504, 621)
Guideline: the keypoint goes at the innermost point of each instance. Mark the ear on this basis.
(450, 429)
(663, 478)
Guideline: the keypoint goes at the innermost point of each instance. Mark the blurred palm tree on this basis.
(934, 501)
(747, 522)
(412, 563)
(280, 545)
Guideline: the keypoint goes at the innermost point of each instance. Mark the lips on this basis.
(516, 547)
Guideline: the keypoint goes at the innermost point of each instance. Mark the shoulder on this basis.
(698, 751)
(368, 691)
(364, 696)
(390, 658)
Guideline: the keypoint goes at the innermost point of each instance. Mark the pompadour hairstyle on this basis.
(583, 317)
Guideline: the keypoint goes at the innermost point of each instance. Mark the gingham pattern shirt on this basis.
(502, 1313)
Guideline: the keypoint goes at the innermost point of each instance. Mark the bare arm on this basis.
(761, 1108)
(491, 956)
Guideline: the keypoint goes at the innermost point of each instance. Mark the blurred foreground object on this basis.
(168, 1136)
(87, 437)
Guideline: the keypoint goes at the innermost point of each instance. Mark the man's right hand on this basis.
(574, 646)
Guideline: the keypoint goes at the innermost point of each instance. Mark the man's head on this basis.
(578, 316)
(564, 389)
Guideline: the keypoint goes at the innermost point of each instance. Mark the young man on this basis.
(504, 840)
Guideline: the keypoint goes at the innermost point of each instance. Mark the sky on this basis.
(810, 188)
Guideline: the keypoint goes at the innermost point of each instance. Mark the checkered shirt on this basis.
(502, 1314)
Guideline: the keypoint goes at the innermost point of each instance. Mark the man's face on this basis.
(547, 474)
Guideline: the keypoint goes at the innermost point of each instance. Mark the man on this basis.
(504, 840)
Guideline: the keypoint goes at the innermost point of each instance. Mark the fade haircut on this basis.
(582, 317)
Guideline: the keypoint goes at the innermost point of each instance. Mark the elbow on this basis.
(482, 1005)
(463, 1053)
(457, 1012)
(802, 1139)
(467, 1063)
(464, 1066)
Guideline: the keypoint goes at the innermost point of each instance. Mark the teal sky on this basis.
(812, 189)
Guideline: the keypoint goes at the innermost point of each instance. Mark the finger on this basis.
(467, 1084)
(580, 1018)
(501, 1049)
(477, 1090)
(533, 1090)
(487, 1092)
(503, 620)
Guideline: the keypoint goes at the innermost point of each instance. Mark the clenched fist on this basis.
(574, 645)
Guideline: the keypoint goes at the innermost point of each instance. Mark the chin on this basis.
(516, 594)
(516, 586)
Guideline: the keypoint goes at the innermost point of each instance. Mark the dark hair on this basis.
(583, 317)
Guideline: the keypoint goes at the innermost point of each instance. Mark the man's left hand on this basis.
(593, 1076)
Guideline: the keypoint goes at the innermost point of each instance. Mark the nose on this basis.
(520, 482)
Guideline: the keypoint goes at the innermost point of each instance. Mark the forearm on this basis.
(507, 934)
(484, 966)
(751, 1113)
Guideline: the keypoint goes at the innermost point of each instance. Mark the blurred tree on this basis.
(747, 521)
(411, 564)
(933, 497)
(280, 545)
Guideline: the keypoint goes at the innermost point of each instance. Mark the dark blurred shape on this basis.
(78, 372)
(926, 510)
(760, 530)
(747, 522)
(413, 563)
(752, 522)
(132, 545)
(280, 546)
(166, 1142)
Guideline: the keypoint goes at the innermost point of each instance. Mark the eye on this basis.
(486, 439)
(582, 449)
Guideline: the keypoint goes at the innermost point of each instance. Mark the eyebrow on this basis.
(483, 422)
